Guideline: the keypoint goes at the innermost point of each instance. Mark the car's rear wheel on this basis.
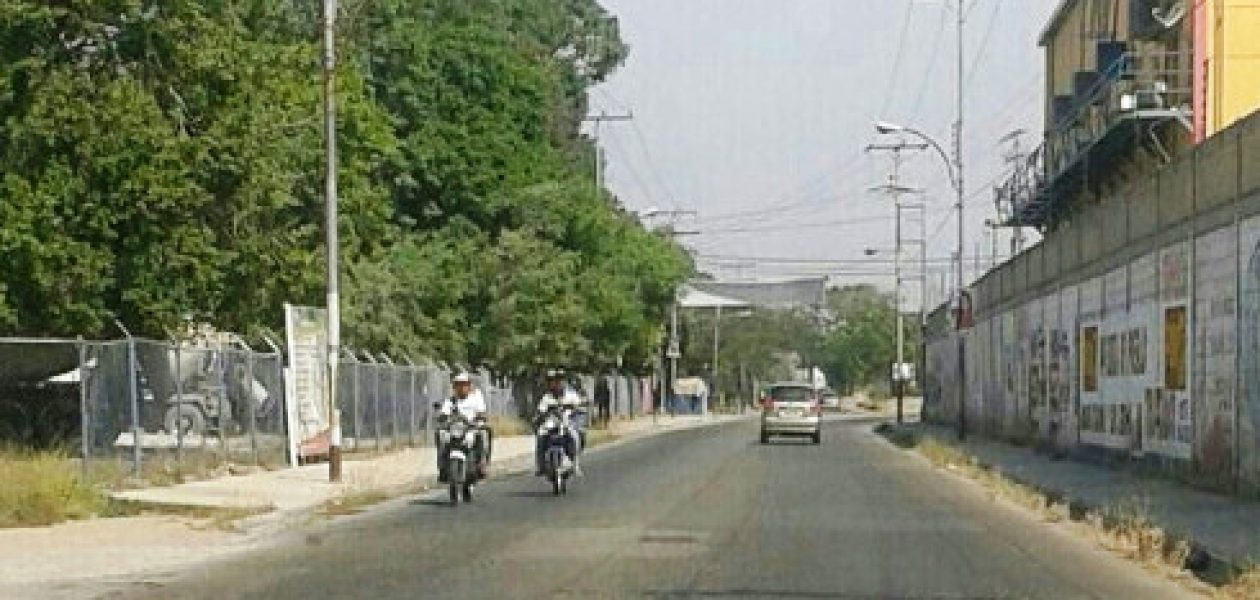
(765, 437)
(817, 437)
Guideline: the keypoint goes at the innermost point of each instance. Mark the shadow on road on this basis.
(530, 494)
(430, 502)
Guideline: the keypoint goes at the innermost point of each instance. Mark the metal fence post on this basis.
(376, 403)
(225, 419)
(85, 422)
(179, 404)
(253, 405)
(393, 399)
(411, 399)
(132, 374)
(358, 416)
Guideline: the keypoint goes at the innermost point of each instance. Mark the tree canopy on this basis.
(163, 162)
(856, 348)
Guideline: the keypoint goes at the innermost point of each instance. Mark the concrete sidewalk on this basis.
(90, 558)
(1225, 527)
(304, 488)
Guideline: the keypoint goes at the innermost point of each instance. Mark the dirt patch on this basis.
(1125, 528)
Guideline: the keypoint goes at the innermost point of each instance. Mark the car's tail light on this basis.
(815, 408)
(767, 403)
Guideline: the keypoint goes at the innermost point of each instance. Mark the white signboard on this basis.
(307, 406)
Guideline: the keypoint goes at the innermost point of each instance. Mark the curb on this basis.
(1208, 565)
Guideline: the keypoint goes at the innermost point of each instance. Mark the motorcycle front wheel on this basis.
(456, 484)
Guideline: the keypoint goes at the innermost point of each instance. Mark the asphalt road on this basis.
(706, 513)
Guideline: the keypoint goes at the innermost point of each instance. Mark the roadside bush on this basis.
(43, 488)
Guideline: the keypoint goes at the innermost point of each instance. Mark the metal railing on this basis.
(1143, 85)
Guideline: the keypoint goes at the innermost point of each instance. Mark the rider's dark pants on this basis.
(484, 450)
(540, 449)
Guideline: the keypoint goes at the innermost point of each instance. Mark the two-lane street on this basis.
(703, 513)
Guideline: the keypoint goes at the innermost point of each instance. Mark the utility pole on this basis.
(673, 352)
(896, 190)
(331, 238)
(960, 189)
(598, 120)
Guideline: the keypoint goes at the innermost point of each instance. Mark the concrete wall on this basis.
(1131, 332)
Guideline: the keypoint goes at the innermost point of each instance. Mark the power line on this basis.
(984, 41)
(785, 204)
(785, 260)
(901, 47)
(634, 173)
(929, 70)
(638, 134)
(794, 226)
(643, 147)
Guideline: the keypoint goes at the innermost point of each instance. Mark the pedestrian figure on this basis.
(603, 400)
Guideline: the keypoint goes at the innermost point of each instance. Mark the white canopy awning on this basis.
(693, 298)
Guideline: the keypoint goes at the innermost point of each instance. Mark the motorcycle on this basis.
(462, 461)
(557, 464)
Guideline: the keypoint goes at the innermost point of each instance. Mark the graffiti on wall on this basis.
(1167, 420)
(1249, 352)
(1213, 346)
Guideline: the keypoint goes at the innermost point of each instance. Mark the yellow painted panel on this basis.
(1234, 58)
(1241, 69)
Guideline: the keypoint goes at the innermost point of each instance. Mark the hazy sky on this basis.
(755, 114)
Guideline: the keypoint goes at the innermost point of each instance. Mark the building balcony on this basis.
(1112, 114)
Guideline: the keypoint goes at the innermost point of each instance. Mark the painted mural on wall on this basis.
(1065, 366)
(1215, 278)
(1109, 420)
(1035, 369)
(1167, 424)
(1249, 352)
(1009, 358)
(1141, 344)
(1089, 332)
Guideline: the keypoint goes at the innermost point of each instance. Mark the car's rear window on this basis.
(790, 394)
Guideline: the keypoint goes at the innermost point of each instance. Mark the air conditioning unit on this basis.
(1149, 19)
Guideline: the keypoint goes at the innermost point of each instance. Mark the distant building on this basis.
(1130, 84)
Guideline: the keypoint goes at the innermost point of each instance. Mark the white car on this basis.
(831, 400)
(791, 409)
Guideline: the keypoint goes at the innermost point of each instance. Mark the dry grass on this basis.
(1245, 585)
(201, 518)
(1125, 528)
(45, 487)
(352, 502)
(597, 437)
(506, 425)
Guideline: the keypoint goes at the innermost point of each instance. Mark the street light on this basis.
(954, 169)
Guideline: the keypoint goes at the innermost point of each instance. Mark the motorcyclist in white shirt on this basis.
(559, 394)
(468, 402)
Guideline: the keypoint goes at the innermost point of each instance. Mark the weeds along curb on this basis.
(1124, 527)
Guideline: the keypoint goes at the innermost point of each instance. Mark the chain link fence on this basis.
(164, 410)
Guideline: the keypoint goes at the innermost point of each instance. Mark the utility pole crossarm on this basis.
(598, 120)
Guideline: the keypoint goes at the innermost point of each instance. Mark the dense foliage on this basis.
(162, 161)
(854, 344)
